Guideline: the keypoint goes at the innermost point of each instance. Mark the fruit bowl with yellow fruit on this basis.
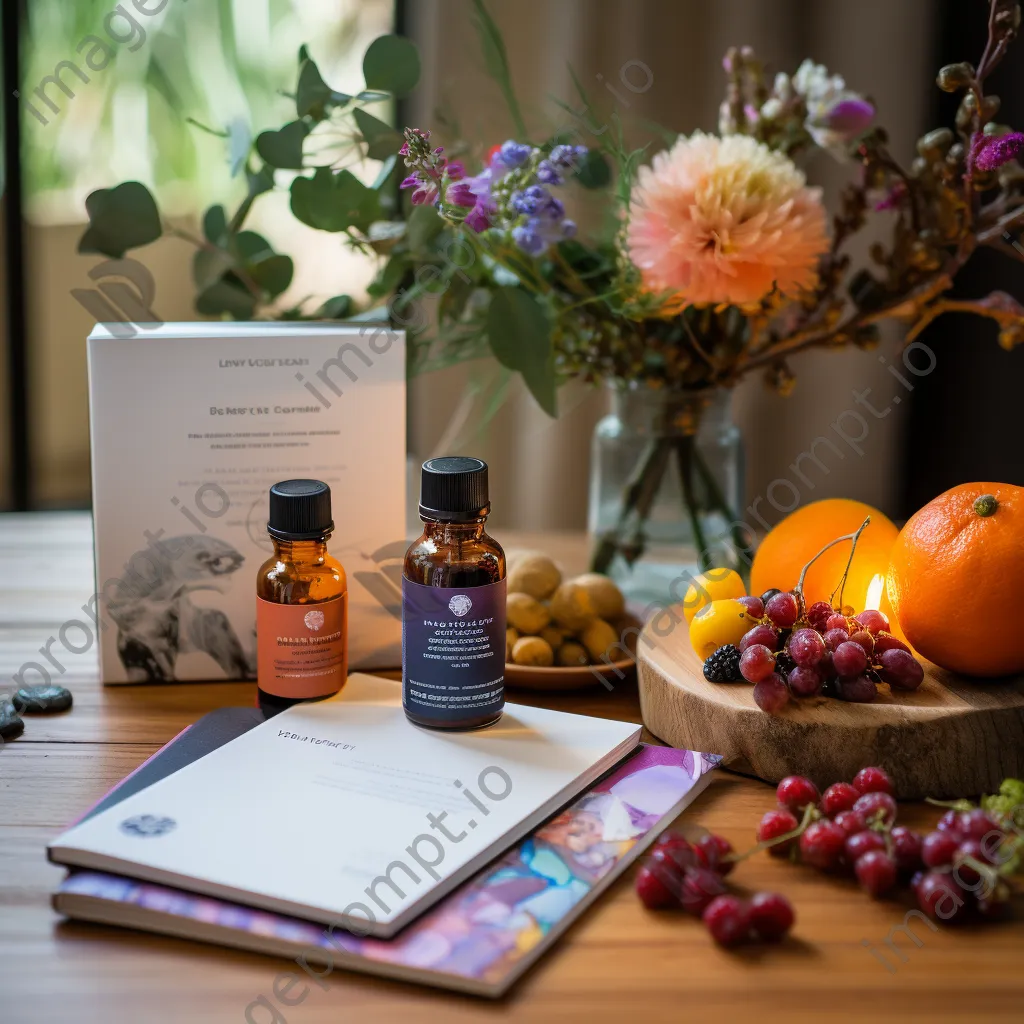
(565, 634)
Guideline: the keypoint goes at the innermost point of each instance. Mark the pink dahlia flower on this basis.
(725, 220)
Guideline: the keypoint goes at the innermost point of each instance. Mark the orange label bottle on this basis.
(301, 601)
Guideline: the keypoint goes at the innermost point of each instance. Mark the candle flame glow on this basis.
(875, 588)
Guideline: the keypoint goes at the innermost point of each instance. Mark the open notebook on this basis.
(343, 813)
(478, 939)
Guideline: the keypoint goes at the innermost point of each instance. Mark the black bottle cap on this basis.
(300, 510)
(454, 489)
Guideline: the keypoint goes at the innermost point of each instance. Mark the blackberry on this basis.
(784, 663)
(723, 666)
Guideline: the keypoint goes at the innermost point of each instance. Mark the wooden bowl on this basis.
(952, 737)
(554, 677)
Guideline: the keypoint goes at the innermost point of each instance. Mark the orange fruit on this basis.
(801, 535)
(956, 580)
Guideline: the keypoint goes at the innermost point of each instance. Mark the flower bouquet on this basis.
(719, 259)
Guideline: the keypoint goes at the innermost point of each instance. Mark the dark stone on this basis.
(41, 700)
(11, 725)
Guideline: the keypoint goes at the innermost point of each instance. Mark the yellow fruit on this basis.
(526, 614)
(531, 650)
(606, 598)
(713, 585)
(718, 624)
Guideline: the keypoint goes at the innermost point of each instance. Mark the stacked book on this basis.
(340, 836)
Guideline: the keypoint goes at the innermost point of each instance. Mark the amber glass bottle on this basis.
(301, 601)
(453, 604)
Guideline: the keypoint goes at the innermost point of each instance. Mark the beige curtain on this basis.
(539, 466)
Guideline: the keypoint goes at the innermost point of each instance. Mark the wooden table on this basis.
(620, 962)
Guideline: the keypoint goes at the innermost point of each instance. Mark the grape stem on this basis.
(853, 538)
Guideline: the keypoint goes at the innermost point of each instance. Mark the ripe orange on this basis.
(956, 580)
(803, 533)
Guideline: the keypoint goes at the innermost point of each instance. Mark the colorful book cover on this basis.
(484, 935)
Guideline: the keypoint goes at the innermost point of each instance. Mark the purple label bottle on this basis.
(453, 603)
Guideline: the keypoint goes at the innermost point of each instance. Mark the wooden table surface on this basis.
(619, 962)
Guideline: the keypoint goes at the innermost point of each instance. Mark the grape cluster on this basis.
(818, 651)
(955, 872)
(691, 877)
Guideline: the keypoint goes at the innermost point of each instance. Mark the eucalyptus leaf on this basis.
(381, 139)
(313, 96)
(215, 225)
(272, 274)
(392, 64)
(519, 333)
(120, 218)
(224, 296)
(283, 148)
(594, 171)
(334, 202)
(336, 308)
(250, 247)
(209, 266)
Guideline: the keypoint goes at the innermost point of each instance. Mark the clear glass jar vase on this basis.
(666, 483)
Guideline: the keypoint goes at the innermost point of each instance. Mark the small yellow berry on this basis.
(718, 624)
(713, 585)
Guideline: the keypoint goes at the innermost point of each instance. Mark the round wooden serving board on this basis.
(952, 737)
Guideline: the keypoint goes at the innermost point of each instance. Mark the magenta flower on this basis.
(990, 152)
(460, 193)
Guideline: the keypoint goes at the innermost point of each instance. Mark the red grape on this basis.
(865, 639)
(822, 844)
(782, 609)
(885, 642)
(976, 824)
(775, 824)
(771, 695)
(859, 690)
(754, 606)
(699, 888)
(806, 647)
(964, 873)
(834, 637)
(873, 620)
(763, 634)
(804, 682)
(837, 621)
(795, 792)
(771, 915)
(873, 780)
(851, 822)
(728, 919)
(875, 805)
(818, 614)
(863, 842)
(950, 822)
(849, 660)
(840, 796)
(906, 847)
(876, 872)
(675, 858)
(716, 853)
(939, 896)
(901, 669)
(757, 663)
(654, 887)
(938, 848)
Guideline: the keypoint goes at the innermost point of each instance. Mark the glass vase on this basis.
(666, 482)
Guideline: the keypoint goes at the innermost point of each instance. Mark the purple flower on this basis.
(529, 239)
(530, 200)
(989, 152)
(834, 125)
(567, 157)
(514, 153)
(456, 170)
(546, 173)
(426, 190)
(460, 193)
(479, 218)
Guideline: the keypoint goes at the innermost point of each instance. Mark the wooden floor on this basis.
(619, 963)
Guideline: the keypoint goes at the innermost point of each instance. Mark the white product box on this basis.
(191, 423)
